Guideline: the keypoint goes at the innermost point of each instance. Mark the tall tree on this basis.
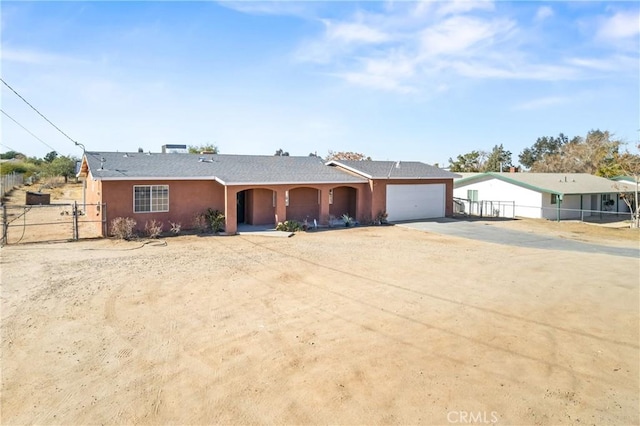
(498, 160)
(347, 155)
(473, 161)
(64, 166)
(546, 145)
(281, 153)
(589, 155)
(50, 156)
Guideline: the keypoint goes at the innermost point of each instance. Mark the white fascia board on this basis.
(414, 177)
(293, 183)
(160, 178)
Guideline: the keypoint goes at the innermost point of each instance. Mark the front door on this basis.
(240, 205)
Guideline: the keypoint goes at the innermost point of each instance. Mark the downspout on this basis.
(581, 210)
(559, 204)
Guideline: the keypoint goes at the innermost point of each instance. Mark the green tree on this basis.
(208, 148)
(546, 145)
(470, 162)
(9, 155)
(498, 160)
(281, 153)
(64, 166)
(50, 156)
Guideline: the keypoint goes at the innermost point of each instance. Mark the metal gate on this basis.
(51, 222)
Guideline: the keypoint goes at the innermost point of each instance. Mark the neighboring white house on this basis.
(542, 195)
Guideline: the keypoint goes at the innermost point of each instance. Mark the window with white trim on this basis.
(150, 198)
(472, 194)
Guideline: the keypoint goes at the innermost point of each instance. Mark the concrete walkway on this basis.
(262, 230)
(493, 234)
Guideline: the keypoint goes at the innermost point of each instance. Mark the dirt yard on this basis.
(379, 325)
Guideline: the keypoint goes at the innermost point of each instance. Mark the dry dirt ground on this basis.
(371, 325)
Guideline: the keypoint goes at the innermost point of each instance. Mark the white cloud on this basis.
(543, 13)
(274, 7)
(455, 7)
(609, 63)
(354, 33)
(477, 69)
(404, 47)
(459, 34)
(622, 25)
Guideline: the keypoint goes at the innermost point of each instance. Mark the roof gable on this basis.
(392, 169)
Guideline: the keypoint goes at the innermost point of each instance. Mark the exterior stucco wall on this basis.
(304, 203)
(379, 192)
(186, 200)
(265, 210)
(259, 208)
(528, 203)
(344, 201)
(92, 195)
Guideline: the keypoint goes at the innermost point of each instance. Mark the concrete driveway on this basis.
(493, 234)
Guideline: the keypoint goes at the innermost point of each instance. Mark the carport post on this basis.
(558, 208)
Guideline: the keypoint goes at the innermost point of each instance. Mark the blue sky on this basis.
(399, 80)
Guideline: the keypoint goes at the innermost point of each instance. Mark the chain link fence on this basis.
(51, 222)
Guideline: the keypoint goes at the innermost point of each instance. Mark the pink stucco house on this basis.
(260, 190)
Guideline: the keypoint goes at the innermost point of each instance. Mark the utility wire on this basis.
(7, 146)
(41, 115)
(27, 130)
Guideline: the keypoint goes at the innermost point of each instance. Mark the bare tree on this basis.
(347, 155)
(630, 166)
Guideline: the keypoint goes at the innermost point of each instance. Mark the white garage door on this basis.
(409, 202)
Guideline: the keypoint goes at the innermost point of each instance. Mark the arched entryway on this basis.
(256, 206)
(342, 200)
(303, 204)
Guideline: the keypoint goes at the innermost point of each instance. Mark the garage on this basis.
(410, 202)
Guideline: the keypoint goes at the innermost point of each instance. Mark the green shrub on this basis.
(348, 220)
(289, 226)
(122, 228)
(8, 167)
(215, 219)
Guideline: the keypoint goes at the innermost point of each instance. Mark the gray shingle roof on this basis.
(554, 183)
(228, 169)
(394, 169)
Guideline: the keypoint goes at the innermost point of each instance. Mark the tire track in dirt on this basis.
(549, 366)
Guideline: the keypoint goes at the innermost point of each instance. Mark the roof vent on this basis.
(126, 155)
(397, 165)
(149, 153)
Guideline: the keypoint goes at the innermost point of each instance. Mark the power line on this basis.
(7, 146)
(26, 130)
(40, 114)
